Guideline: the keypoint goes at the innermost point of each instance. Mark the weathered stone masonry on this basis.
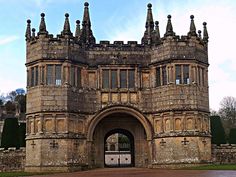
(79, 90)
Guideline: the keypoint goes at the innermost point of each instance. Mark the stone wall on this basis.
(12, 159)
(224, 153)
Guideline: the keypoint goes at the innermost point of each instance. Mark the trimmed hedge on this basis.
(22, 131)
(232, 136)
(10, 133)
(217, 131)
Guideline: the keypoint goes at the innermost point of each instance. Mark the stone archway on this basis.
(125, 118)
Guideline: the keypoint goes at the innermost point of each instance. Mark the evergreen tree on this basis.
(232, 136)
(217, 131)
(10, 133)
(22, 132)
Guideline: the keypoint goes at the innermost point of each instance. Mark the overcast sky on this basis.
(122, 20)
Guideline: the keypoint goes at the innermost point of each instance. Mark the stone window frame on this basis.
(161, 75)
(183, 80)
(33, 76)
(118, 78)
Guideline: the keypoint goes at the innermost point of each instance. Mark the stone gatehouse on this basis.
(80, 90)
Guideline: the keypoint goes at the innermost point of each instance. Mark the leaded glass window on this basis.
(164, 76)
(105, 79)
(186, 74)
(58, 75)
(131, 79)
(123, 78)
(178, 74)
(49, 75)
(36, 75)
(32, 77)
(158, 76)
(113, 79)
(72, 76)
(78, 77)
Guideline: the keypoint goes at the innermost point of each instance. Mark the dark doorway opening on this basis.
(119, 148)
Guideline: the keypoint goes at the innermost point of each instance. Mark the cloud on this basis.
(8, 39)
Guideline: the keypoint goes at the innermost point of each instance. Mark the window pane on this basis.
(186, 74)
(199, 76)
(78, 77)
(158, 77)
(123, 78)
(72, 76)
(28, 78)
(105, 79)
(178, 74)
(113, 79)
(203, 78)
(42, 79)
(58, 75)
(32, 77)
(36, 75)
(49, 74)
(131, 79)
(164, 76)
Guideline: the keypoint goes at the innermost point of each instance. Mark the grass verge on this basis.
(15, 174)
(214, 167)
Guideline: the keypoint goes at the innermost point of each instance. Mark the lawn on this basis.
(11, 174)
(214, 167)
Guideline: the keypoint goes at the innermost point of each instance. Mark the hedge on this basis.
(217, 131)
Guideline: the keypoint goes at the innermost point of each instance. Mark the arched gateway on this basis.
(80, 90)
(118, 118)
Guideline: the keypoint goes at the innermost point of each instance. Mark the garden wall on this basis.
(224, 153)
(12, 159)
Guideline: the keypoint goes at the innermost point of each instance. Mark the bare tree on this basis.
(227, 112)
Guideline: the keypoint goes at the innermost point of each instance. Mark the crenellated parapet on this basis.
(69, 46)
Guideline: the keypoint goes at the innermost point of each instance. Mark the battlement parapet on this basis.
(12, 150)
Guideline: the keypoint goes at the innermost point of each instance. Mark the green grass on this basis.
(214, 167)
(13, 174)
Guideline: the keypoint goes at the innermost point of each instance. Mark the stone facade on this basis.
(224, 153)
(78, 91)
(12, 159)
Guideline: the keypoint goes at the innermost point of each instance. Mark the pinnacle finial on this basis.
(86, 36)
(156, 32)
(192, 31)
(28, 30)
(157, 29)
(149, 26)
(205, 33)
(42, 26)
(200, 34)
(33, 33)
(169, 28)
(77, 30)
(66, 29)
